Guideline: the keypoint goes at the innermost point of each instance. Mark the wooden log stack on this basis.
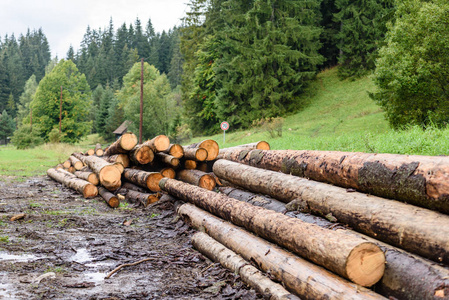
(326, 225)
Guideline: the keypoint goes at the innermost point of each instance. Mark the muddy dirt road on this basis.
(65, 246)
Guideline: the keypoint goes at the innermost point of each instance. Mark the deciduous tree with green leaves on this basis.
(75, 102)
(413, 68)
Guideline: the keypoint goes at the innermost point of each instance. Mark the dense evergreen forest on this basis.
(233, 60)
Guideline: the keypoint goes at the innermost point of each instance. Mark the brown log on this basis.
(211, 147)
(71, 169)
(109, 198)
(235, 263)
(190, 164)
(148, 180)
(298, 275)
(159, 143)
(67, 164)
(83, 187)
(254, 199)
(196, 154)
(198, 178)
(351, 257)
(123, 145)
(141, 154)
(129, 186)
(415, 179)
(262, 145)
(76, 163)
(144, 198)
(408, 227)
(118, 158)
(98, 150)
(175, 150)
(89, 152)
(168, 159)
(168, 172)
(109, 174)
(88, 176)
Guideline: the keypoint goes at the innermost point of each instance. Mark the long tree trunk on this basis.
(234, 262)
(109, 198)
(149, 180)
(158, 144)
(197, 154)
(168, 159)
(418, 180)
(261, 145)
(109, 174)
(144, 198)
(298, 275)
(198, 178)
(399, 224)
(141, 154)
(353, 258)
(175, 150)
(254, 199)
(75, 162)
(210, 145)
(83, 187)
(88, 176)
(123, 145)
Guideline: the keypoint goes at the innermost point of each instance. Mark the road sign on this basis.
(224, 126)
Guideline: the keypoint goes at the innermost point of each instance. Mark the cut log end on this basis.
(110, 177)
(212, 148)
(114, 202)
(161, 143)
(93, 178)
(128, 141)
(144, 155)
(366, 264)
(168, 172)
(262, 145)
(201, 154)
(176, 150)
(90, 191)
(207, 182)
(153, 182)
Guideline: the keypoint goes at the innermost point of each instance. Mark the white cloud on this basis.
(64, 22)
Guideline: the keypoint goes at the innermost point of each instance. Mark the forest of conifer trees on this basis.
(238, 61)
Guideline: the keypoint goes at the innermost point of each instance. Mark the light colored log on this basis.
(124, 144)
(83, 187)
(145, 179)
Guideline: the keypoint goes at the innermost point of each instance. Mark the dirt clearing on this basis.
(65, 246)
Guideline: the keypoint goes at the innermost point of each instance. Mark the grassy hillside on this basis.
(339, 115)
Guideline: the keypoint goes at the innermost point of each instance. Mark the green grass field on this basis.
(339, 115)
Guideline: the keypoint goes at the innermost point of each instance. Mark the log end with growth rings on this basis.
(161, 143)
(366, 264)
(153, 182)
(128, 141)
(90, 191)
(262, 145)
(110, 177)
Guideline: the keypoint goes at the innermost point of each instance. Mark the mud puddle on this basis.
(65, 246)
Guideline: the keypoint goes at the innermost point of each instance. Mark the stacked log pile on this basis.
(325, 225)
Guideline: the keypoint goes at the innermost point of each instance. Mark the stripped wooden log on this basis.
(98, 150)
(124, 144)
(88, 176)
(111, 199)
(159, 143)
(83, 187)
(261, 145)
(408, 227)
(168, 159)
(145, 179)
(143, 198)
(175, 150)
(118, 158)
(359, 261)
(109, 174)
(196, 154)
(76, 163)
(190, 164)
(198, 178)
(141, 154)
(210, 145)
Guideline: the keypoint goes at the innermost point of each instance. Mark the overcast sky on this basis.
(64, 22)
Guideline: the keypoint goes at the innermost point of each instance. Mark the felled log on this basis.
(130, 186)
(159, 143)
(83, 187)
(141, 154)
(298, 275)
(108, 173)
(254, 199)
(408, 227)
(118, 158)
(88, 176)
(415, 179)
(144, 198)
(198, 178)
(76, 163)
(98, 150)
(261, 145)
(211, 147)
(168, 172)
(67, 164)
(168, 159)
(175, 150)
(190, 164)
(89, 152)
(123, 145)
(351, 257)
(196, 154)
(144, 179)
(235, 263)
(109, 197)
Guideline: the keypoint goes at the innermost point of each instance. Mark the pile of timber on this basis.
(295, 224)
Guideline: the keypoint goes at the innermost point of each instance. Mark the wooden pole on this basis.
(141, 102)
(60, 111)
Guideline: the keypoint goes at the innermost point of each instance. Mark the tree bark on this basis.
(158, 144)
(210, 145)
(168, 159)
(418, 180)
(149, 180)
(353, 258)
(144, 198)
(254, 199)
(123, 145)
(235, 263)
(98, 150)
(83, 187)
(261, 145)
(175, 150)
(298, 275)
(141, 154)
(399, 224)
(196, 154)
(118, 158)
(109, 198)
(198, 178)
(109, 174)
(76, 163)
(88, 176)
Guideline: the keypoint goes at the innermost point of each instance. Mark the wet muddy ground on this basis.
(66, 245)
